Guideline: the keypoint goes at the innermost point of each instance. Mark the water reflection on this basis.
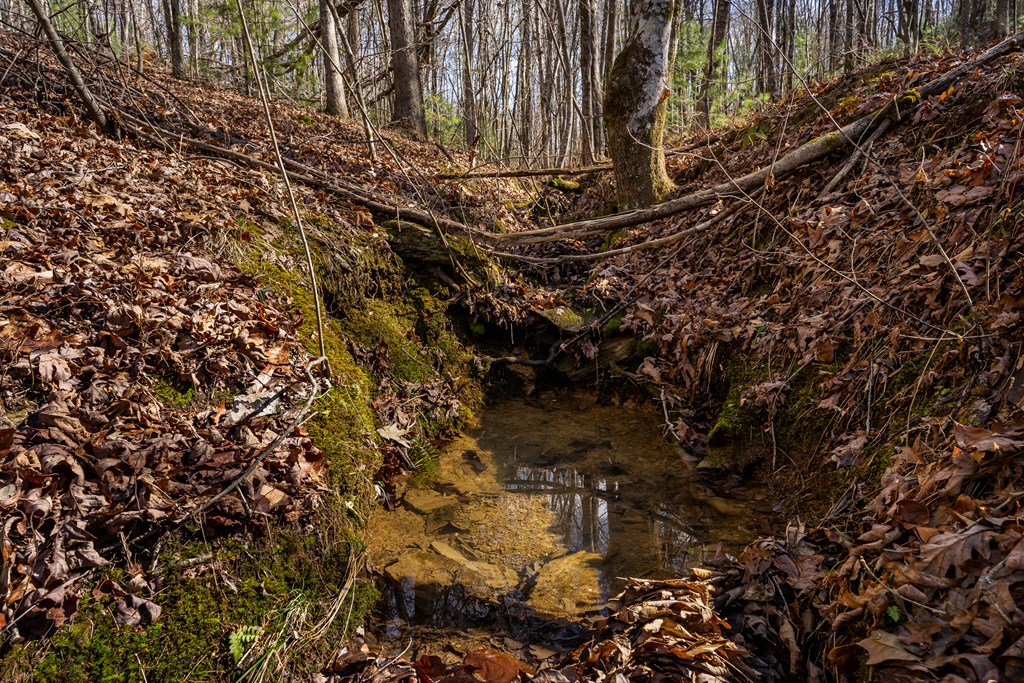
(638, 535)
(539, 509)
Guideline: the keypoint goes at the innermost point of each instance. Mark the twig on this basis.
(258, 460)
(237, 481)
(641, 246)
(288, 187)
(858, 150)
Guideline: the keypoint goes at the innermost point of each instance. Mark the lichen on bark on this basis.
(635, 106)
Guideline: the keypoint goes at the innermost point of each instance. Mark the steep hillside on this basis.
(184, 478)
(182, 484)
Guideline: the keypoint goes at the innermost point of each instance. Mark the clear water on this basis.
(546, 505)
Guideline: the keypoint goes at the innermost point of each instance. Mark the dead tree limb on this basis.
(91, 104)
(895, 111)
(307, 176)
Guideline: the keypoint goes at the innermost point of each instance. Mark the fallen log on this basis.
(846, 136)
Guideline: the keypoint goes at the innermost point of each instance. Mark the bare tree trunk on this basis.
(408, 107)
(635, 106)
(610, 25)
(334, 88)
(719, 27)
(849, 37)
(789, 45)
(91, 105)
(589, 127)
(172, 17)
(1001, 19)
(524, 96)
(468, 91)
(766, 78)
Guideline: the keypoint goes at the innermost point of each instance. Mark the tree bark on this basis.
(849, 38)
(468, 91)
(635, 106)
(172, 16)
(766, 79)
(334, 88)
(408, 106)
(590, 88)
(1001, 19)
(610, 25)
(719, 27)
(524, 91)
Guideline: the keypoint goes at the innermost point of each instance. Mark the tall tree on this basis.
(408, 102)
(635, 106)
(766, 76)
(172, 19)
(590, 127)
(334, 87)
(1001, 19)
(716, 46)
(468, 90)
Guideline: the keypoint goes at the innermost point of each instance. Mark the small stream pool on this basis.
(536, 514)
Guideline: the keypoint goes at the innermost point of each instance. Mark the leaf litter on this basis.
(922, 577)
(106, 296)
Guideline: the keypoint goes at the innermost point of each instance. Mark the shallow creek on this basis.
(536, 514)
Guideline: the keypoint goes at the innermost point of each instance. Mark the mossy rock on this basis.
(564, 318)
(565, 185)
(418, 244)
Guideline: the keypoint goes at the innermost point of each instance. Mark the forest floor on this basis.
(856, 346)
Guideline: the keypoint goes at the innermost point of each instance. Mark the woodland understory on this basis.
(198, 413)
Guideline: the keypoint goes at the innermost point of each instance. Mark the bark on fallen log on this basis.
(846, 136)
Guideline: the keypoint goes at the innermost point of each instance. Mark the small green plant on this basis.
(242, 639)
(893, 614)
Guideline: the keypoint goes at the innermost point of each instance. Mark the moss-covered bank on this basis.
(235, 601)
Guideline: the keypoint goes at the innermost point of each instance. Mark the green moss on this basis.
(741, 434)
(564, 318)
(730, 437)
(565, 185)
(173, 394)
(343, 425)
(614, 324)
(257, 580)
(248, 581)
(645, 348)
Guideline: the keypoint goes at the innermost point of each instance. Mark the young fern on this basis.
(241, 639)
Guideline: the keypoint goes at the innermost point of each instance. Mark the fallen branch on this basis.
(74, 75)
(526, 172)
(896, 111)
(641, 246)
(855, 157)
(307, 176)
